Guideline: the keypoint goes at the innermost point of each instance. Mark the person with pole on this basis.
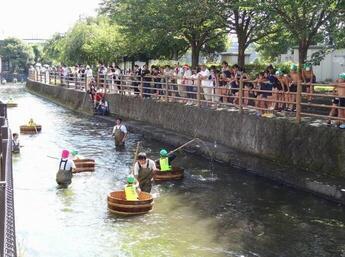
(164, 162)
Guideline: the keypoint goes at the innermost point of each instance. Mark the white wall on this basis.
(330, 66)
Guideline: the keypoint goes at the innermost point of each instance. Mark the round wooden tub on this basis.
(84, 165)
(118, 204)
(9, 105)
(25, 129)
(175, 174)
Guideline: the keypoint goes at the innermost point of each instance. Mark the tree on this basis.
(92, 41)
(304, 19)
(16, 54)
(53, 49)
(196, 22)
(249, 20)
(273, 45)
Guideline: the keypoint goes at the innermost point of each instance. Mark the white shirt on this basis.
(88, 73)
(151, 163)
(205, 82)
(70, 164)
(121, 127)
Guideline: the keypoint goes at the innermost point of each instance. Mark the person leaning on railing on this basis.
(206, 83)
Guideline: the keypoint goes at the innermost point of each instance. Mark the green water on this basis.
(215, 211)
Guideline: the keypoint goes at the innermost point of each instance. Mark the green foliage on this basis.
(273, 45)
(166, 25)
(88, 41)
(53, 50)
(16, 53)
(250, 21)
(304, 20)
(91, 41)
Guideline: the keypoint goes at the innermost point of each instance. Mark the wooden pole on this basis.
(135, 158)
(180, 147)
(166, 89)
(184, 145)
(141, 87)
(240, 96)
(198, 96)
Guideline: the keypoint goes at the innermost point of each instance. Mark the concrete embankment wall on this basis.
(74, 99)
(319, 149)
(303, 156)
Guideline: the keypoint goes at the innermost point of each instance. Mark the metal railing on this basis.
(7, 219)
(245, 96)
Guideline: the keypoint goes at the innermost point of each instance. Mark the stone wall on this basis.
(71, 98)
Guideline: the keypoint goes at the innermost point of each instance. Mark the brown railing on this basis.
(192, 91)
(7, 224)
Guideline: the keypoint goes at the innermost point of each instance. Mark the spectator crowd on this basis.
(269, 90)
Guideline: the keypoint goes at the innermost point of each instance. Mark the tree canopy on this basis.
(16, 54)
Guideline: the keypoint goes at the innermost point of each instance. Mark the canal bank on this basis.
(301, 156)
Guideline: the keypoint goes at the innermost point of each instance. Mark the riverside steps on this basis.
(303, 156)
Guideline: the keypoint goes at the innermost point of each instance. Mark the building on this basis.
(330, 67)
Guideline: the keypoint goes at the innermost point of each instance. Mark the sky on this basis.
(41, 18)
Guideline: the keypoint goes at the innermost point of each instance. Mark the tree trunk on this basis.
(195, 56)
(302, 54)
(241, 51)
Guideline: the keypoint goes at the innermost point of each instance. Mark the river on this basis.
(215, 211)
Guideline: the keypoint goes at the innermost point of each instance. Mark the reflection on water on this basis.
(215, 211)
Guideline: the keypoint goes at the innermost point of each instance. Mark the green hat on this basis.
(279, 72)
(130, 179)
(293, 67)
(74, 152)
(342, 76)
(163, 153)
(306, 65)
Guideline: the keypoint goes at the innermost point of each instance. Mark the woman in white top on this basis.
(120, 133)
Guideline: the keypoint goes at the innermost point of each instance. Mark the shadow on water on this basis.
(215, 211)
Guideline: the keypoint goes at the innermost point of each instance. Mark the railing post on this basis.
(298, 102)
(240, 96)
(50, 78)
(75, 81)
(55, 78)
(122, 92)
(141, 87)
(198, 96)
(166, 89)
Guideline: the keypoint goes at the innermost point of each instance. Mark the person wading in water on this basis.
(120, 133)
(66, 166)
(144, 170)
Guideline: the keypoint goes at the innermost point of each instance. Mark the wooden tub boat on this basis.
(11, 104)
(26, 129)
(84, 165)
(118, 204)
(175, 174)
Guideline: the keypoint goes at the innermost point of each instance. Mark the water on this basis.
(215, 211)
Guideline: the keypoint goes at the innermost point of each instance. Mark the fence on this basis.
(245, 95)
(7, 222)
